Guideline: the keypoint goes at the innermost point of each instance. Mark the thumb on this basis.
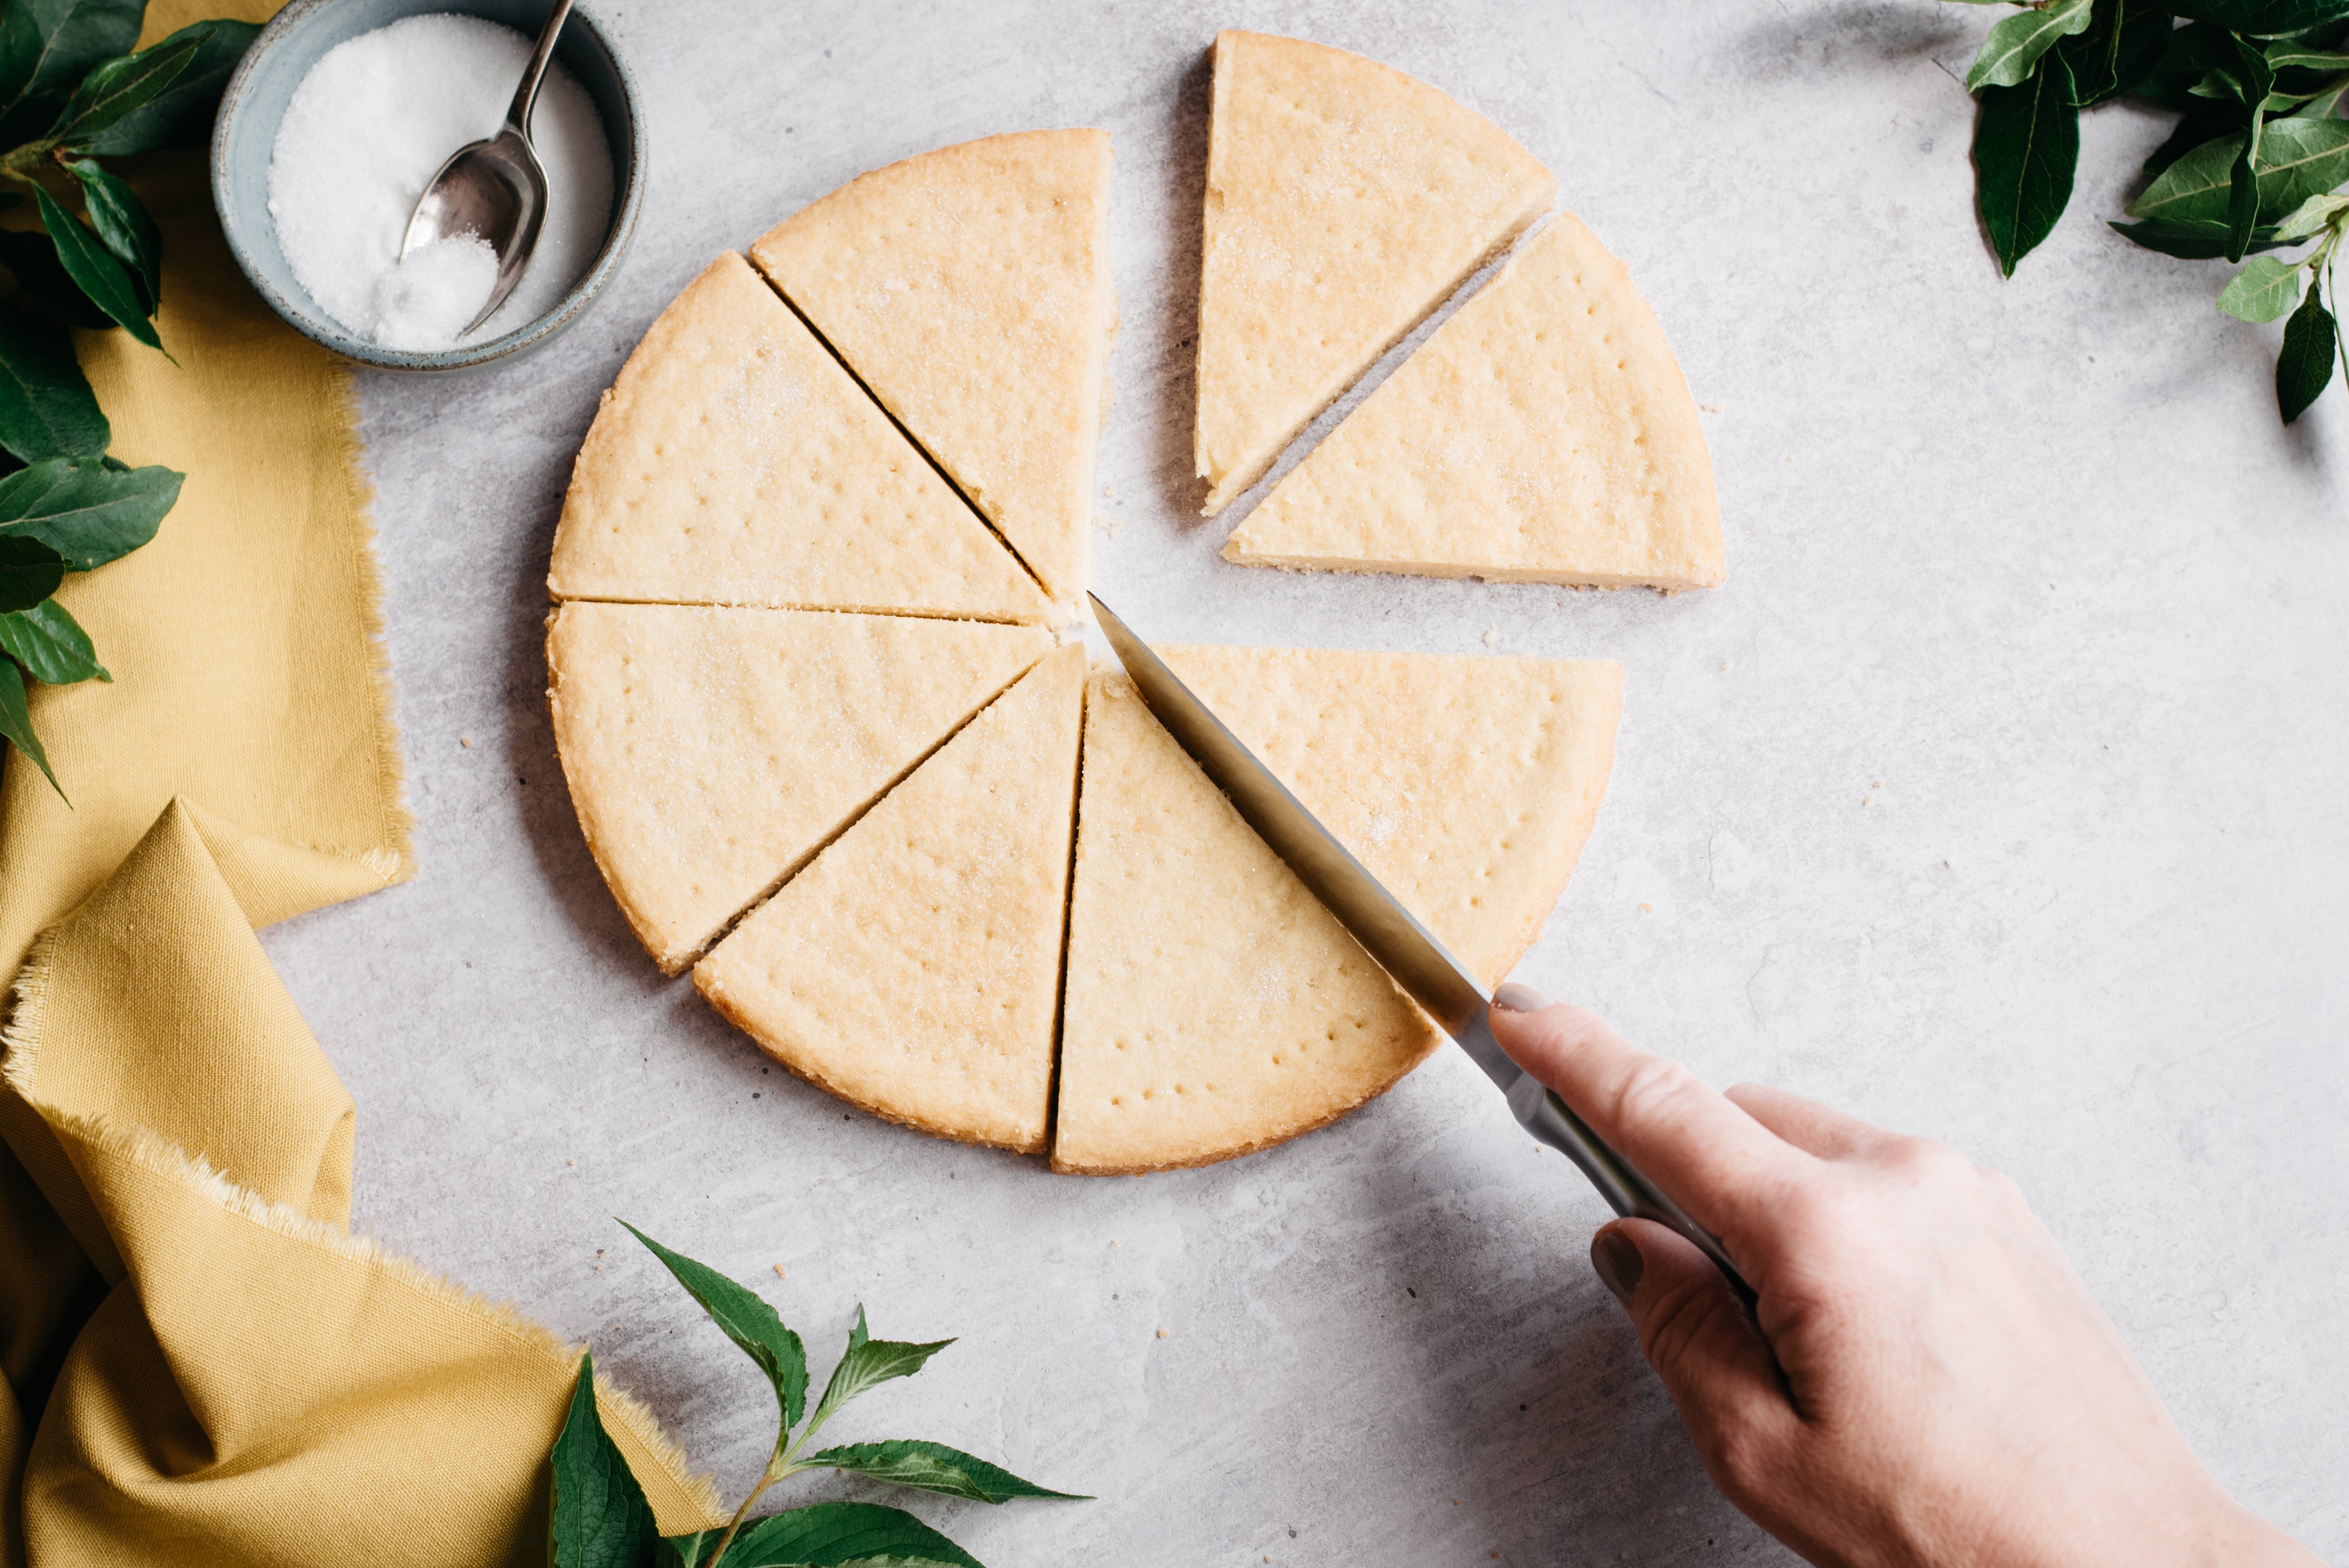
(1704, 1345)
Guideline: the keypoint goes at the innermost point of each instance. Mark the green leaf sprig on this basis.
(599, 1517)
(2254, 165)
(72, 90)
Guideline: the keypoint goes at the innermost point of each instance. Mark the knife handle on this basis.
(1627, 1191)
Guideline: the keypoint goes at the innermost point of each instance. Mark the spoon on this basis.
(493, 190)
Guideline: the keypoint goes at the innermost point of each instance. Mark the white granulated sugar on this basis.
(374, 121)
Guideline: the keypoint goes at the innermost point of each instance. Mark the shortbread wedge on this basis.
(914, 967)
(1345, 202)
(1542, 434)
(1467, 786)
(969, 289)
(711, 751)
(1212, 1007)
(734, 462)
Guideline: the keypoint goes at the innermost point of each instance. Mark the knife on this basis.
(1423, 966)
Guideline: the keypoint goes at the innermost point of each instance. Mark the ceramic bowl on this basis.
(246, 133)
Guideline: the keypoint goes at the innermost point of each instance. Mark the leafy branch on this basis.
(72, 91)
(600, 1518)
(2253, 165)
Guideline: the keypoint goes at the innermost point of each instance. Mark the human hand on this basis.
(1923, 1381)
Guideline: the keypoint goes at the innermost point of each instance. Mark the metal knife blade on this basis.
(1393, 936)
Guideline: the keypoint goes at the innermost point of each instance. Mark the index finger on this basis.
(1709, 1155)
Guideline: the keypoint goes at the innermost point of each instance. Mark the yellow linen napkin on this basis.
(201, 1365)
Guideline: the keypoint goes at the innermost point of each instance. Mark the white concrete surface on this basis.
(1998, 796)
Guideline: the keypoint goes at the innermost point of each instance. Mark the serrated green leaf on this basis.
(748, 1320)
(51, 644)
(85, 510)
(2026, 148)
(2263, 18)
(120, 88)
(2304, 368)
(2014, 47)
(90, 265)
(48, 46)
(42, 281)
(17, 724)
(869, 1361)
(2265, 290)
(835, 1534)
(599, 1517)
(29, 572)
(123, 223)
(931, 1467)
(181, 115)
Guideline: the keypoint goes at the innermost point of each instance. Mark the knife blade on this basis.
(1417, 960)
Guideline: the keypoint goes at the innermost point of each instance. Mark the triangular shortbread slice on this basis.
(914, 967)
(711, 751)
(1212, 1007)
(1345, 202)
(1467, 785)
(1543, 434)
(734, 462)
(969, 289)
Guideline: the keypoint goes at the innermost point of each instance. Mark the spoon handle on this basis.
(525, 96)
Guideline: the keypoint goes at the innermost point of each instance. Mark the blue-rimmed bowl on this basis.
(245, 135)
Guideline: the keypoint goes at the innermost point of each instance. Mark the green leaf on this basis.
(870, 1361)
(181, 114)
(833, 1534)
(2287, 55)
(51, 644)
(687, 1551)
(2014, 44)
(931, 1467)
(29, 572)
(90, 263)
(2263, 18)
(2299, 158)
(118, 88)
(121, 221)
(42, 280)
(2120, 49)
(599, 1517)
(2308, 217)
(2188, 55)
(17, 724)
(2304, 368)
(47, 409)
(2027, 150)
(46, 47)
(2188, 240)
(87, 511)
(2265, 290)
(748, 1320)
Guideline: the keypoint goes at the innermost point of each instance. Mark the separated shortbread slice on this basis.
(1543, 434)
(969, 289)
(914, 967)
(1213, 1006)
(711, 752)
(1345, 201)
(1467, 786)
(734, 462)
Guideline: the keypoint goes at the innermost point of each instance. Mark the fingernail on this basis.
(1615, 1258)
(1518, 997)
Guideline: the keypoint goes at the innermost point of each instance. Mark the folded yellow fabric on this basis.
(201, 1365)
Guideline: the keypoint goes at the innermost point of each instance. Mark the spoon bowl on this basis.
(493, 190)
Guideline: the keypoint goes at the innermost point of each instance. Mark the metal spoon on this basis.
(493, 190)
